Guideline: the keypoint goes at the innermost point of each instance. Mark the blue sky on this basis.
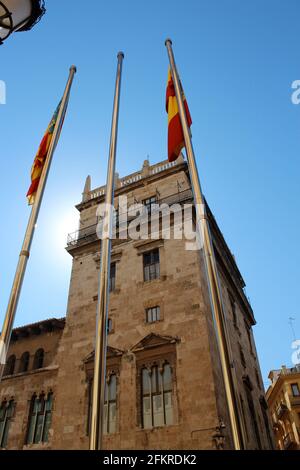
(237, 62)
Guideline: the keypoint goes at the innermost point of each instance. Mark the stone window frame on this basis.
(111, 373)
(146, 359)
(144, 246)
(148, 274)
(158, 367)
(7, 419)
(296, 385)
(151, 303)
(149, 202)
(115, 259)
(33, 395)
(113, 367)
(157, 314)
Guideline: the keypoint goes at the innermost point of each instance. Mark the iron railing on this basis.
(89, 234)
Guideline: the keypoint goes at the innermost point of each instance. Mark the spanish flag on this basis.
(40, 158)
(175, 132)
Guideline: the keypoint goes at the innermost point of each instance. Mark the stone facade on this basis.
(283, 397)
(189, 410)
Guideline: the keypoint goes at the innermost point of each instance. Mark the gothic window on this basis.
(157, 401)
(112, 277)
(152, 314)
(6, 414)
(38, 361)
(295, 390)
(151, 265)
(110, 405)
(40, 416)
(10, 365)
(24, 362)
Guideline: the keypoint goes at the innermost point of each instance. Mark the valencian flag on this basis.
(40, 158)
(175, 132)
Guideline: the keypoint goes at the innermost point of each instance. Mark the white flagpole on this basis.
(25, 251)
(103, 292)
(227, 364)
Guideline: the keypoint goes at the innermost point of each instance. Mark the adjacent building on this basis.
(164, 386)
(283, 397)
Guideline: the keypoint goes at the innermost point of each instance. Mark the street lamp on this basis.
(19, 15)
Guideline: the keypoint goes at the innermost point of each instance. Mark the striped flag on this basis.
(40, 158)
(175, 132)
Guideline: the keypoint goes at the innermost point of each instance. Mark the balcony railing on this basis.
(89, 234)
(295, 401)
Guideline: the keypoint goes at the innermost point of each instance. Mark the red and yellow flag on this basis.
(175, 132)
(40, 158)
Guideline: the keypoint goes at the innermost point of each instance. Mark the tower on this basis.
(164, 383)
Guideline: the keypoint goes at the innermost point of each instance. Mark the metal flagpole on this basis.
(103, 291)
(211, 269)
(25, 252)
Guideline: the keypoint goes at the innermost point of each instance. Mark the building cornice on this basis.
(44, 326)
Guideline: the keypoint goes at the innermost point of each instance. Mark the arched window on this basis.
(24, 362)
(38, 361)
(6, 414)
(10, 365)
(40, 416)
(157, 404)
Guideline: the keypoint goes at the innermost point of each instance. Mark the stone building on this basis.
(164, 383)
(283, 397)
